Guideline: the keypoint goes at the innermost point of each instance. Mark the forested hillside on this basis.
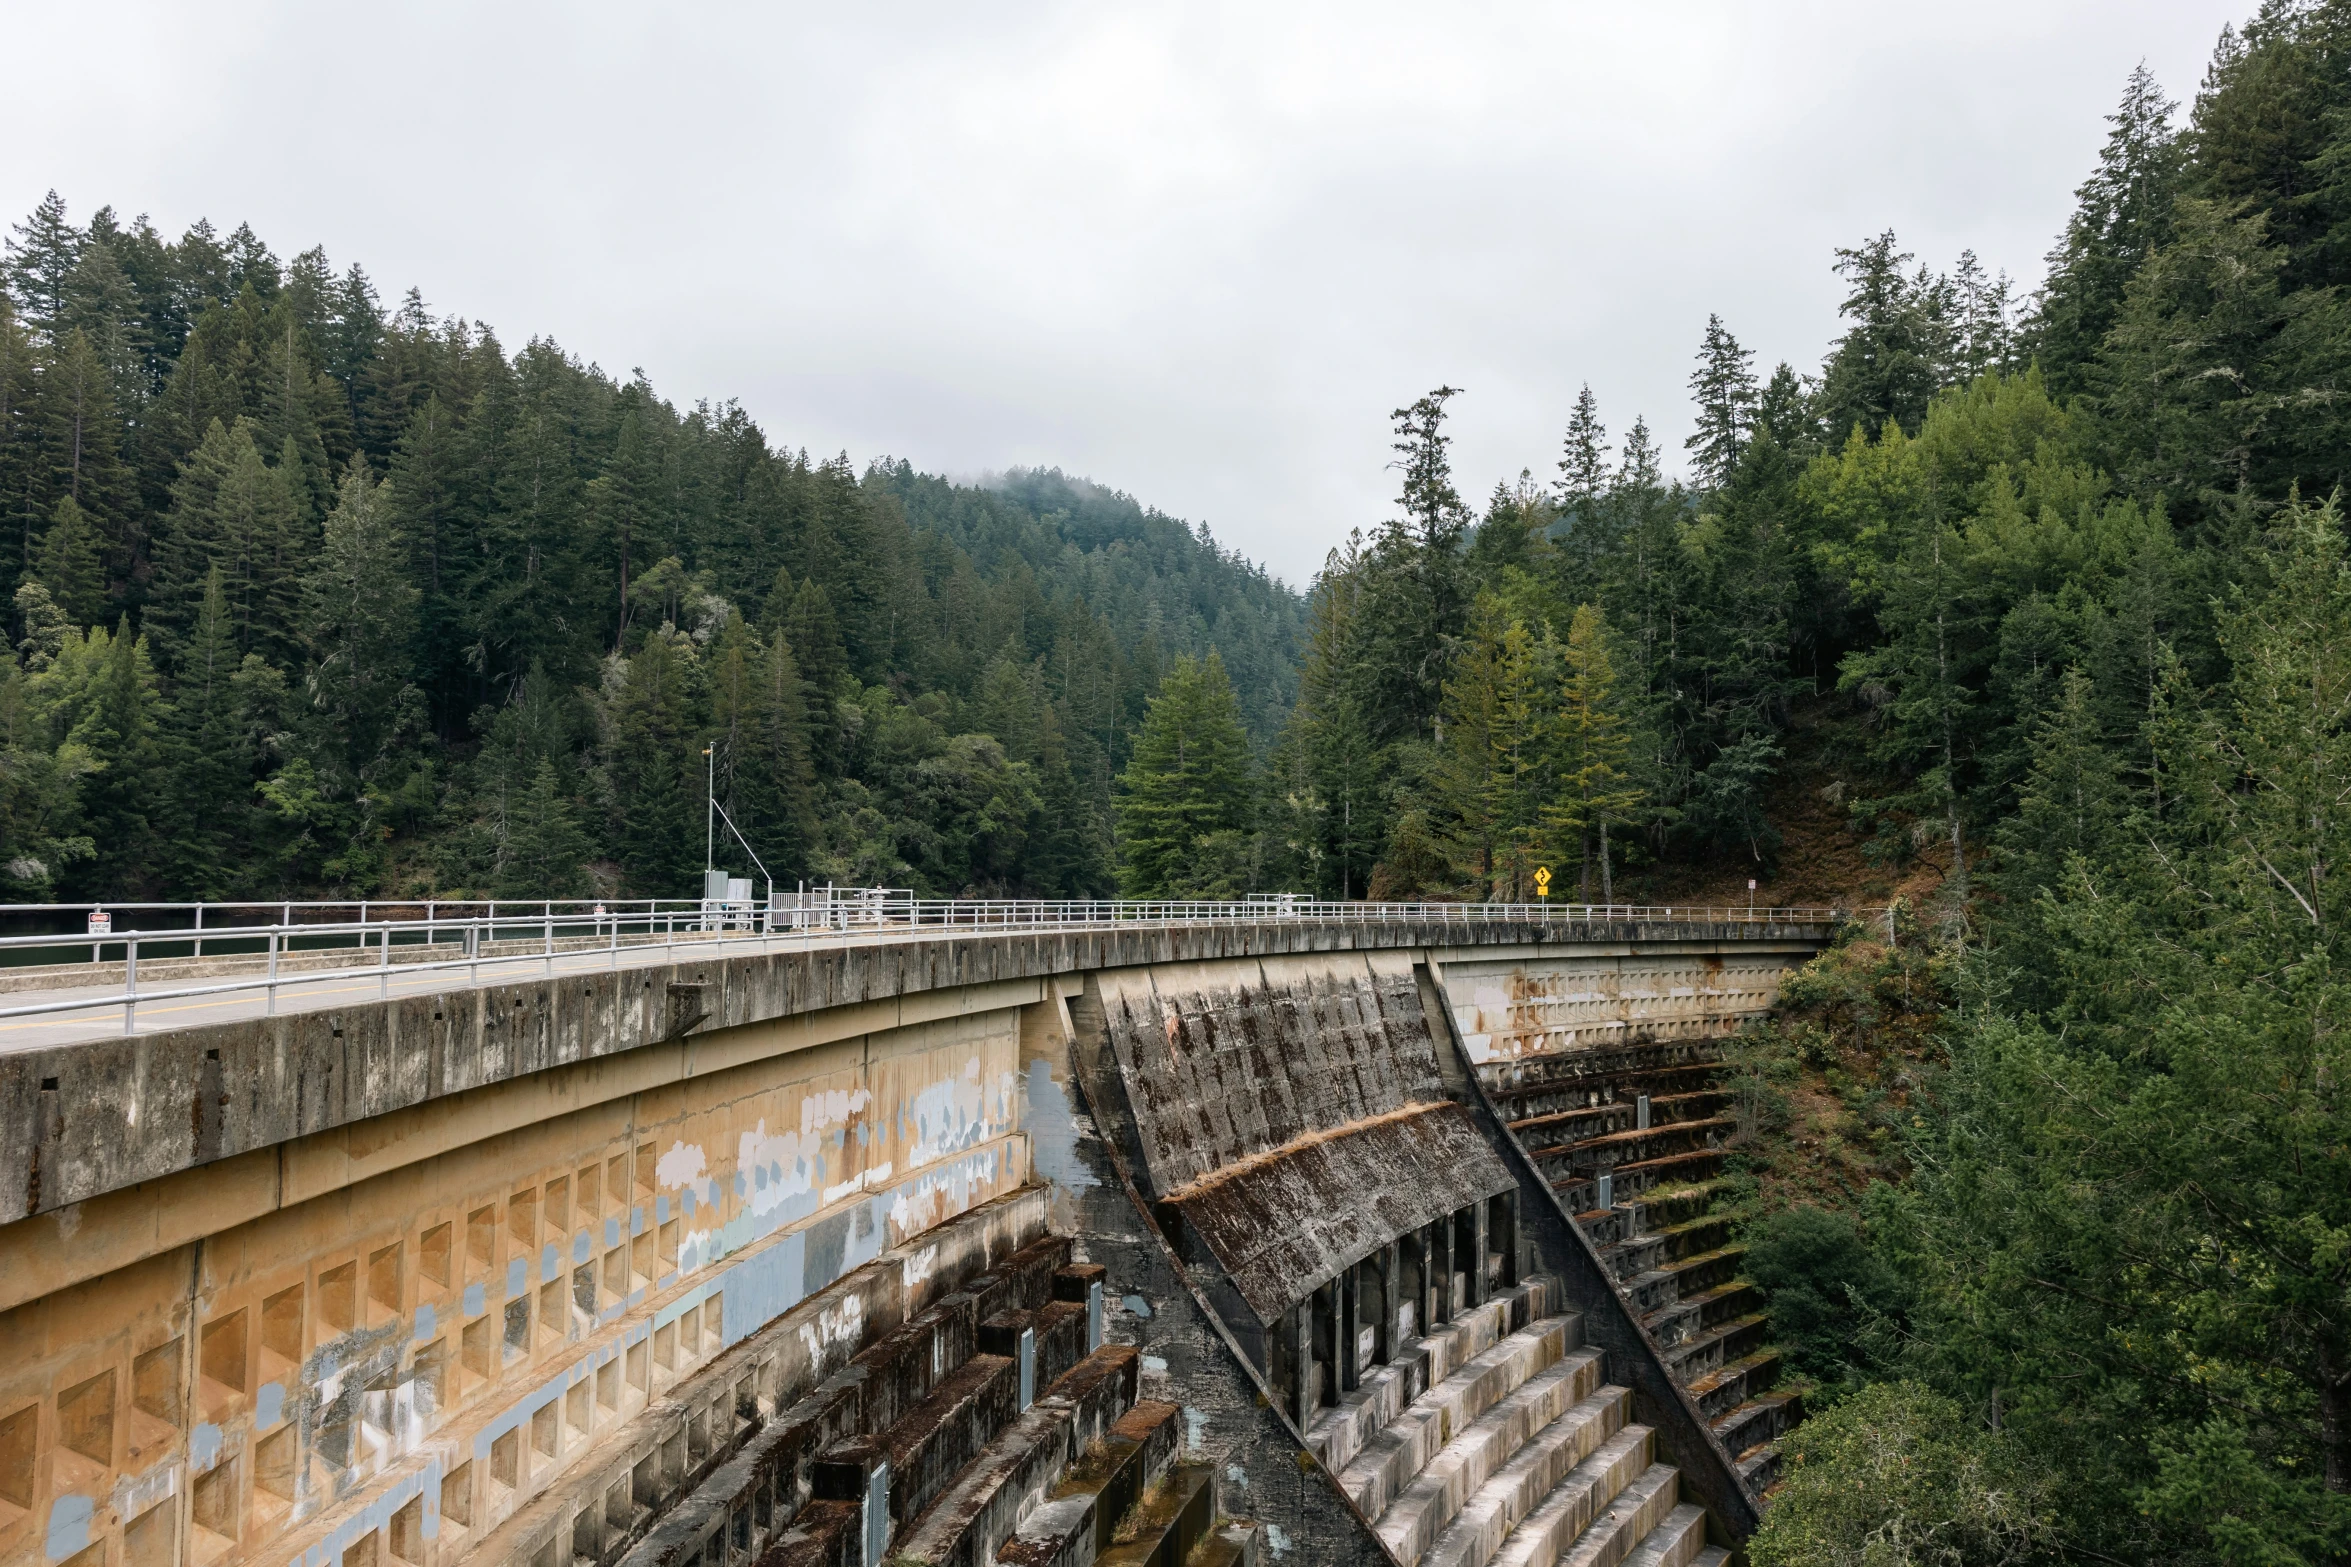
(308, 597)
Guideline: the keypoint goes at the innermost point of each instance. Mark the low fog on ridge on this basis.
(1194, 256)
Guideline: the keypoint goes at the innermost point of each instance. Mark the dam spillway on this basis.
(1162, 1241)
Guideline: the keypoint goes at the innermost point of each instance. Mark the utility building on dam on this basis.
(1290, 1239)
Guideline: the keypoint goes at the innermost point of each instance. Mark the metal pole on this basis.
(383, 963)
(199, 930)
(273, 971)
(130, 986)
(549, 916)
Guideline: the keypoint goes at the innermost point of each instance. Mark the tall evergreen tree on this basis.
(71, 565)
(1597, 790)
(1723, 387)
(41, 260)
(2122, 215)
(1186, 785)
(1893, 356)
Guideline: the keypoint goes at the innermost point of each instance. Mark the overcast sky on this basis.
(1196, 253)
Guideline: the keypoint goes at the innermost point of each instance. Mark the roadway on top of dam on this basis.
(177, 994)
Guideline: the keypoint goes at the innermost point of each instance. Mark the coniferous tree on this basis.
(21, 482)
(1187, 784)
(1723, 388)
(41, 260)
(71, 565)
(545, 851)
(2122, 215)
(359, 625)
(81, 437)
(1597, 790)
(1892, 358)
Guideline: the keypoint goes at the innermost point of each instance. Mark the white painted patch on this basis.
(1195, 1428)
(920, 1265)
(684, 1163)
(833, 1327)
(69, 1220)
(1275, 1538)
(833, 1194)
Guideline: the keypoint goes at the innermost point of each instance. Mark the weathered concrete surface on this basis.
(1509, 1005)
(1189, 1357)
(502, 1306)
(1660, 1404)
(1284, 1223)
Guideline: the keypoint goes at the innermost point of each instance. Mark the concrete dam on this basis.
(1286, 1238)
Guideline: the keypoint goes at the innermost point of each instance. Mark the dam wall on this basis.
(1030, 1247)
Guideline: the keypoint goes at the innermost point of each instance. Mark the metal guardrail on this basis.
(267, 933)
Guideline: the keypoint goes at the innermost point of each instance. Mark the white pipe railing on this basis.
(537, 927)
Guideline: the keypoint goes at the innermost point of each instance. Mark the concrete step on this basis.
(976, 1514)
(1712, 1556)
(1525, 1101)
(1229, 1545)
(1682, 1278)
(1175, 1518)
(1405, 1445)
(1580, 1123)
(1630, 1147)
(1709, 1348)
(1561, 1518)
(1673, 1543)
(1602, 1066)
(1759, 1467)
(1658, 1208)
(1340, 1432)
(931, 1443)
(1701, 1312)
(1532, 1473)
(1433, 1498)
(1763, 1418)
(1079, 1518)
(1722, 1390)
(1578, 1188)
(820, 1534)
(1639, 1508)
(1646, 1249)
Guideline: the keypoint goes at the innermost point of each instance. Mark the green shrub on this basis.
(1828, 1294)
(1898, 1476)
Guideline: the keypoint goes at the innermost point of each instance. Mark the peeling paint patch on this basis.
(427, 1322)
(1153, 1365)
(473, 1300)
(1195, 1428)
(1136, 1304)
(1276, 1538)
(204, 1447)
(269, 1405)
(918, 1266)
